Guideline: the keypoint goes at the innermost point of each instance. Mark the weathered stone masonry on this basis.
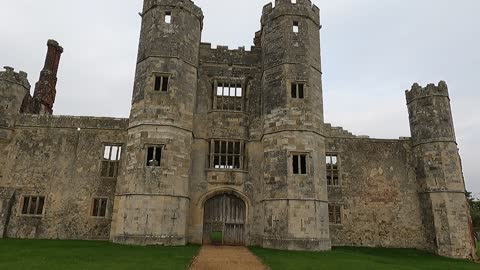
(229, 141)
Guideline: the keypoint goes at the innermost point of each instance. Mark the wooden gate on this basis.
(224, 221)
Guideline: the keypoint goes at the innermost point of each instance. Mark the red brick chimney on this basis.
(45, 88)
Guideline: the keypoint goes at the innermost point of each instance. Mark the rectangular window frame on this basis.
(97, 213)
(155, 155)
(233, 161)
(228, 101)
(161, 82)
(335, 214)
(168, 17)
(296, 27)
(299, 163)
(332, 170)
(109, 168)
(298, 90)
(28, 208)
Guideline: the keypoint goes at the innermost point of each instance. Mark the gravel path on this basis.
(226, 258)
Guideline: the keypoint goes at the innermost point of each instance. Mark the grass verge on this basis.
(346, 258)
(75, 255)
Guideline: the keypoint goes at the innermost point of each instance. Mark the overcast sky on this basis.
(372, 52)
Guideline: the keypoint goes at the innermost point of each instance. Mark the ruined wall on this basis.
(221, 65)
(59, 157)
(378, 193)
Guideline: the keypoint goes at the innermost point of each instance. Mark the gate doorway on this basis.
(224, 221)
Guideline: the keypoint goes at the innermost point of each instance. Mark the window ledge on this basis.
(225, 170)
(330, 186)
(227, 111)
(336, 225)
(32, 216)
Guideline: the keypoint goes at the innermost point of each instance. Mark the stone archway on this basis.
(224, 220)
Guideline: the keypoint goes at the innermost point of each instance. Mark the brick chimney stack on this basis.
(45, 88)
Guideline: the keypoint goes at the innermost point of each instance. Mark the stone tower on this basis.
(295, 190)
(13, 88)
(439, 171)
(152, 195)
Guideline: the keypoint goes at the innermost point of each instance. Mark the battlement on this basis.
(224, 55)
(187, 5)
(417, 91)
(290, 7)
(15, 77)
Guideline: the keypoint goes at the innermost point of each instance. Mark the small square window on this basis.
(295, 27)
(99, 208)
(154, 156)
(299, 163)
(298, 90)
(161, 83)
(33, 205)
(168, 17)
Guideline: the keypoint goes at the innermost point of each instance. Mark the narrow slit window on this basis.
(299, 164)
(168, 17)
(154, 156)
(294, 90)
(165, 84)
(295, 27)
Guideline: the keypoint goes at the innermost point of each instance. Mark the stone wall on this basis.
(59, 157)
(378, 194)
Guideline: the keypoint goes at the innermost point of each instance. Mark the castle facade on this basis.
(231, 146)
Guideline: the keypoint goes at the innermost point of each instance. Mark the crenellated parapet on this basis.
(186, 5)
(303, 8)
(430, 114)
(418, 92)
(224, 55)
(19, 78)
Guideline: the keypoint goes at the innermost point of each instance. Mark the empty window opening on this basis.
(295, 27)
(298, 90)
(335, 213)
(99, 208)
(228, 97)
(161, 83)
(229, 155)
(299, 164)
(168, 17)
(332, 170)
(294, 1)
(111, 160)
(33, 205)
(154, 156)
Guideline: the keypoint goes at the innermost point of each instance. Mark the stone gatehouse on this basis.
(228, 143)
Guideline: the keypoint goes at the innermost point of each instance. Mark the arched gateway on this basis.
(224, 220)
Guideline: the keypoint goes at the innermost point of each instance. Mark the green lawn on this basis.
(359, 259)
(86, 255)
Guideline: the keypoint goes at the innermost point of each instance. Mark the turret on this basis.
(13, 88)
(156, 174)
(296, 201)
(439, 171)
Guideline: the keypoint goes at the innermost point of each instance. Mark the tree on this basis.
(475, 212)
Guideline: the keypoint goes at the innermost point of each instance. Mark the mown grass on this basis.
(360, 259)
(87, 255)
